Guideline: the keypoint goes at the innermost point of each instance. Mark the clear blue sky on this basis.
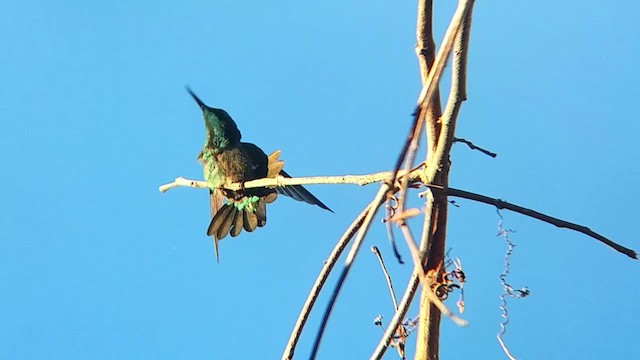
(95, 263)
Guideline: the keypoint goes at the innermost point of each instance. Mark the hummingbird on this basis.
(226, 159)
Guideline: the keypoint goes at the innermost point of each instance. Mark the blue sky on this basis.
(96, 263)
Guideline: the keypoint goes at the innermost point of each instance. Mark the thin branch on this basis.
(429, 89)
(400, 314)
(320, 281)
(426, 53)
(410, 291)
(473, 146)
(407, 214)
(425, 240)
(414, 175)
(392, 238)
(501, 204)
(428, 234)
(375, 205)
(376, 251)
(180, 181)
(283, 181)
(459, 28)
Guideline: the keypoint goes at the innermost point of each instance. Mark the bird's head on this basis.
(222, 131)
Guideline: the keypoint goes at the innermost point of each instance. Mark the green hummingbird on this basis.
(226, 159)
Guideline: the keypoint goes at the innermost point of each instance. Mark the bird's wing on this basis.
(298, 192)
(258, 159)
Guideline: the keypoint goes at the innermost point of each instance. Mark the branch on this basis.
(403, 307)
(409, 293)
(373, 208)
(437, 172)
(414, 176)
(283, 181)
(473, 146)
(429, 90)
(320, 281)
(376, 251)
(426, 53)
(458, 32)
(500, 204)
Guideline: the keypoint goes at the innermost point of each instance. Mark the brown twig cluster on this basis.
(430, 267)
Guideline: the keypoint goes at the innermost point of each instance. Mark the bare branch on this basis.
(426, 53)
(373, 208)
(414, 175)
(392, 239)
(376, 251)
(320, 281)
(473, 146)
(180, 181)
(283, 181)
(403, 307)
(459, 31)
(500, 204)
(437, 172)
(409, 293)
(429, 89)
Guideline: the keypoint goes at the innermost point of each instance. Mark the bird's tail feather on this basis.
(236, 215)
(231, 218)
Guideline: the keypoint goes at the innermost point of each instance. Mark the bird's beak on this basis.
(196, 98)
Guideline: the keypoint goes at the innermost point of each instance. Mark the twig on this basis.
(500, 204)
(388, 225)
(320, 281)
(410, 291)
(403, 307)
(180, 181)
(282, 181)
(429, 89)
(414, 175)
(376, 251)
(459, 35)
(430, 221)
(426, 53)
(407, 214)
(473, 146)
(375, 205)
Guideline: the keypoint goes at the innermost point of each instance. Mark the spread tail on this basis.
(246, 213)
